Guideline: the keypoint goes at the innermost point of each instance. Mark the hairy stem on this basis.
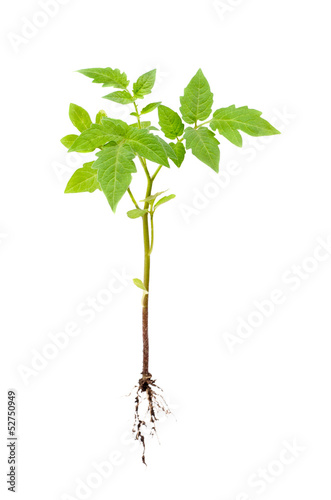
(156, 172)
(147, 265)
(138, 114)
(148, 247)
(202, 124)
(152, 234)
(132, 198)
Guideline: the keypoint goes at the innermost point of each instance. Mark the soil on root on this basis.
(150, 393)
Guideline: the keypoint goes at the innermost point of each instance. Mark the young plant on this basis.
(123, 149)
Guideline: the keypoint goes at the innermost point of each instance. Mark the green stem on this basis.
(152, 233)
(147, 266)
(144, 165)
(138, 115)
(132, 198)
(156, 172)
(147, 262)
(201, 124)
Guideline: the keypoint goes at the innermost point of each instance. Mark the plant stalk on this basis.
(147, 266)
(148, 247)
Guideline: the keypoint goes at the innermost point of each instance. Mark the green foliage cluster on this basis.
(117, 144)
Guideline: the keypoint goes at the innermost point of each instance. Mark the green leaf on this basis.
(150, 107)
(68, 140)
(100, 115)
(139, 284)
(197, 100)
(83, 180)
(147, 145)
(134, 114)
(142, 125)
(79, 117)
(150, 199)
(167, 149)
(164, 200)
(170, 122)
(204, 146)
(109, 144)
(89, 140)
(98, 135)
(229, 120)
(152, 128)
(120, 96)
(115, 166)
(108, 76)
(180, 151)
(136, 212)
(118, 128)
(144, 84)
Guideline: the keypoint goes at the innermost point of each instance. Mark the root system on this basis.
(148, 394)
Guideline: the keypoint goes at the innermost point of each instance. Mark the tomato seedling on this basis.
(123, 149)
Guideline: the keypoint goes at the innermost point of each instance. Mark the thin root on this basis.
(148, 390)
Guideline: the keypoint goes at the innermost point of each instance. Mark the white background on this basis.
(235, 410)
